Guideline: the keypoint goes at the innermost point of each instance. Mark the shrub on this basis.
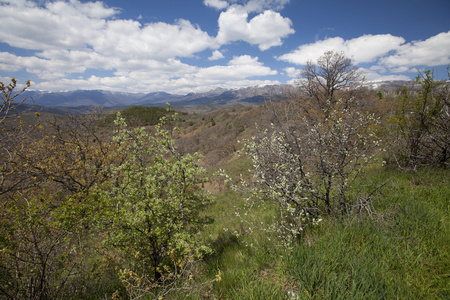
(421, 123)
(152, 211)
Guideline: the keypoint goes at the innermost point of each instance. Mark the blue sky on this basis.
(181, 46)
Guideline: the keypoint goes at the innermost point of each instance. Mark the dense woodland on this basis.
(335, 192)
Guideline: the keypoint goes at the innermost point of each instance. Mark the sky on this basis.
(181, 46)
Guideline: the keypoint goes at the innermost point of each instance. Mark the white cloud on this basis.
(79, 26)
(248, 5)
(216, 55)
(265, 30)
(57, 25)
(434, 51)
(217, 4)
(238, 68)
(127, 39)
(292, 72)
(172, 76)
(373, 74)
(261, 5)
(311, 52)
(43, 68)
(367, 48)
(70, 39)
(390, 53)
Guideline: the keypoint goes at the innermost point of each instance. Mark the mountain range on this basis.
(218, 96)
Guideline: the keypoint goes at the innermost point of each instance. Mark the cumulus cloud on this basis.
(166, 76)
(56, 25)
(84, 26)
(376, 73)
(248, 5)
(431, 52)
(265, 30)
(43, 68)
(367, 48)
(216, 55)
(292, 72)
(129, 39)
(389, 53)
(239, 68)
(217, 4)
(71, 39)
(261, 5)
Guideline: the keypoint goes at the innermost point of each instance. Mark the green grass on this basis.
(403, 256)
(408, 257)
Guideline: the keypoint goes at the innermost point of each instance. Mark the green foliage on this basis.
(153, 210)
(77, 206)
(421, 121)
(139, 115)
(45, 213)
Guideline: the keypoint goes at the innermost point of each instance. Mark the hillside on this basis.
(105, 199)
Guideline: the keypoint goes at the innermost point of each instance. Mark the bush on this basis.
(152, 211)
(421, 122)
(315, 167)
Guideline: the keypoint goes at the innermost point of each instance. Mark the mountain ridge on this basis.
(218, 96)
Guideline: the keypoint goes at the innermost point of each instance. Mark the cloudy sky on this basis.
(183, 46)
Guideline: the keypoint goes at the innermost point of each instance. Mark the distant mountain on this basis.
(90, 98)
(245, 96)
(218, 96)
(390, 86)
(158, 97)
(82, 98)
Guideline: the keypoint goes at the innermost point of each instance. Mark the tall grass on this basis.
(403, 256)
(407, 256)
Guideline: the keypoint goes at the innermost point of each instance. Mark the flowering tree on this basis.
(312, 169)
(311, 162)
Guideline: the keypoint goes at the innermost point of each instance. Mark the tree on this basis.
(332, 72)
(14, 134)
(153, 211)
(310, 167)
(10, 99)
(44, 210)
(421, 122)
(30, 244)
(311, 162)
(68, 187)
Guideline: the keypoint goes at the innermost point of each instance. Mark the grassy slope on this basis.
(406, 256)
